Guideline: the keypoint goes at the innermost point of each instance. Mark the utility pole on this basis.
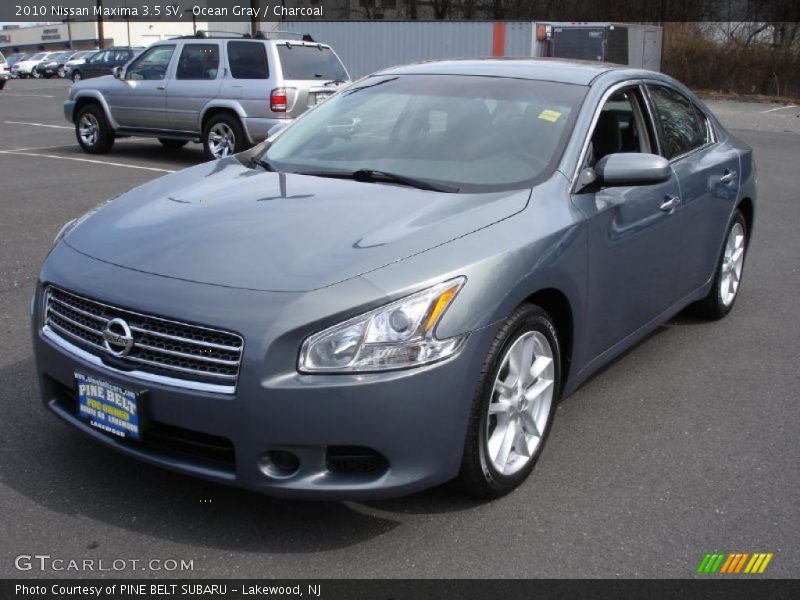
(254, 27)
(101, 40)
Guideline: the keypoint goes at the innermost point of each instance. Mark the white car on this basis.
(25, 68)
(4, 72)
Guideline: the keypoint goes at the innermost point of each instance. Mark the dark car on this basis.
(396, 289)
(54, 66)
(103, 62)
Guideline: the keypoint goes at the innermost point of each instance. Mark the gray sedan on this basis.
(395, 291)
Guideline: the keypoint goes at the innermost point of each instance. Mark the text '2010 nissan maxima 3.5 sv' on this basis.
(395, 290)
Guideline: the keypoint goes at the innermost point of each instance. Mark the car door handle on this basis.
(670, 203)
(728, 177)
(161, 87)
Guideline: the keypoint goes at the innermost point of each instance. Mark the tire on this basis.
(35, 74)
(2, 83)
(216, 128)
(170, 143)
(76, 76)
(480, 474)
(61, 73)
(728, 275)
(92, 130)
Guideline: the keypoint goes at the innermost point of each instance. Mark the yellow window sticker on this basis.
(550, 115)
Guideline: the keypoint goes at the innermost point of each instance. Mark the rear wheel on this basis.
(174, 144)
(92, 130)
(513, 408)
(728, 277)
(222, 136)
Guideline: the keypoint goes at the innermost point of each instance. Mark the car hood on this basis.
(222, 223)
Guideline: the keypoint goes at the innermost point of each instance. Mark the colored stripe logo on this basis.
(733, 563)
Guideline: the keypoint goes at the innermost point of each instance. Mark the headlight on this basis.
(396, 336)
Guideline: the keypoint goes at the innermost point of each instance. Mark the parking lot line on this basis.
(27, 95)
(38, 124)
(779, 108)
(88, 160)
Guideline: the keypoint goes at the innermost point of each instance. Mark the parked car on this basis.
(79, 59)
(224, 92)
(103, 62)
(25, 68)
(4, 71)
(13, 60)
(53, 66)
(395, 290)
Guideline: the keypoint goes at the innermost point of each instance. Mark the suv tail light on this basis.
(277, 100)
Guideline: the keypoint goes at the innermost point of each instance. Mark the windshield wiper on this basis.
(376, 176)
(263, 164)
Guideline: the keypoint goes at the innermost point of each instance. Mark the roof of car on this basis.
(577, 72)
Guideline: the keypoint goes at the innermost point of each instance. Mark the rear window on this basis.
(248, 60)
(310, 62)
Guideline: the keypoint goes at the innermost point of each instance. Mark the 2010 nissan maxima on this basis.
(395, 290)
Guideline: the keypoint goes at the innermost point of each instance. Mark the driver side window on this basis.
(151, 65)
(621, 127)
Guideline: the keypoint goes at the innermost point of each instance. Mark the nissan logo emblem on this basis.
(117, 338)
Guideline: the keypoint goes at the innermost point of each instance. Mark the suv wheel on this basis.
(76, 76)
(514, 404)
(92, 130)
(222, 136)
(170, 143)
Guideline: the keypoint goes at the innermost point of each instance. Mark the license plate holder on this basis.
(108, 407)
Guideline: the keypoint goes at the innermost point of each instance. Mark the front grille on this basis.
(204, 449)
(162, 347)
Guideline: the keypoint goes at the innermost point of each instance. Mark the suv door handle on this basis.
(728, 177)
(670, 203)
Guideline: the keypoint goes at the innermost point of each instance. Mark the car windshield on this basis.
(62, 56)
(468, 133)
(310, 62)
(38, 56)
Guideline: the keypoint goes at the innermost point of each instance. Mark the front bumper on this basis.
(69, 110)
(415, 419)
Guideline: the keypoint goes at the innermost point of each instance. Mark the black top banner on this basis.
(654, 11)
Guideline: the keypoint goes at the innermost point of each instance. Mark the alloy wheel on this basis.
(221, 140)
(522, 398)
(732, 264)
(89, 129)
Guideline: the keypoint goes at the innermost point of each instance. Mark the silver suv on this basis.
(225, 92)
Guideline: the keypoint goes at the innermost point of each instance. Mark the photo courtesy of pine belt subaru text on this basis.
(395, 290)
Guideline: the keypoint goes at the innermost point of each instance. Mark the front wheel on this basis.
(728, 277)
(512, 411)
(60, 73)
(76, 76)
(92, 130)
(222, 136)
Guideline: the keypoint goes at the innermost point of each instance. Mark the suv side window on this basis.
(198, 61)
(248, 60)
(151, 64)
(681, 127)
(621, 127)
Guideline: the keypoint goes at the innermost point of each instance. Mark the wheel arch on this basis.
(556, 304)
(92, 98)
(748, 211)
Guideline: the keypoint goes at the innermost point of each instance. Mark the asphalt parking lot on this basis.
(688, 444)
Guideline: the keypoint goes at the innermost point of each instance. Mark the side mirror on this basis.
(275, 129)
(117, 71)
(632, 169)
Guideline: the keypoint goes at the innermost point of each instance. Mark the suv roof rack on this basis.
(280, 34)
